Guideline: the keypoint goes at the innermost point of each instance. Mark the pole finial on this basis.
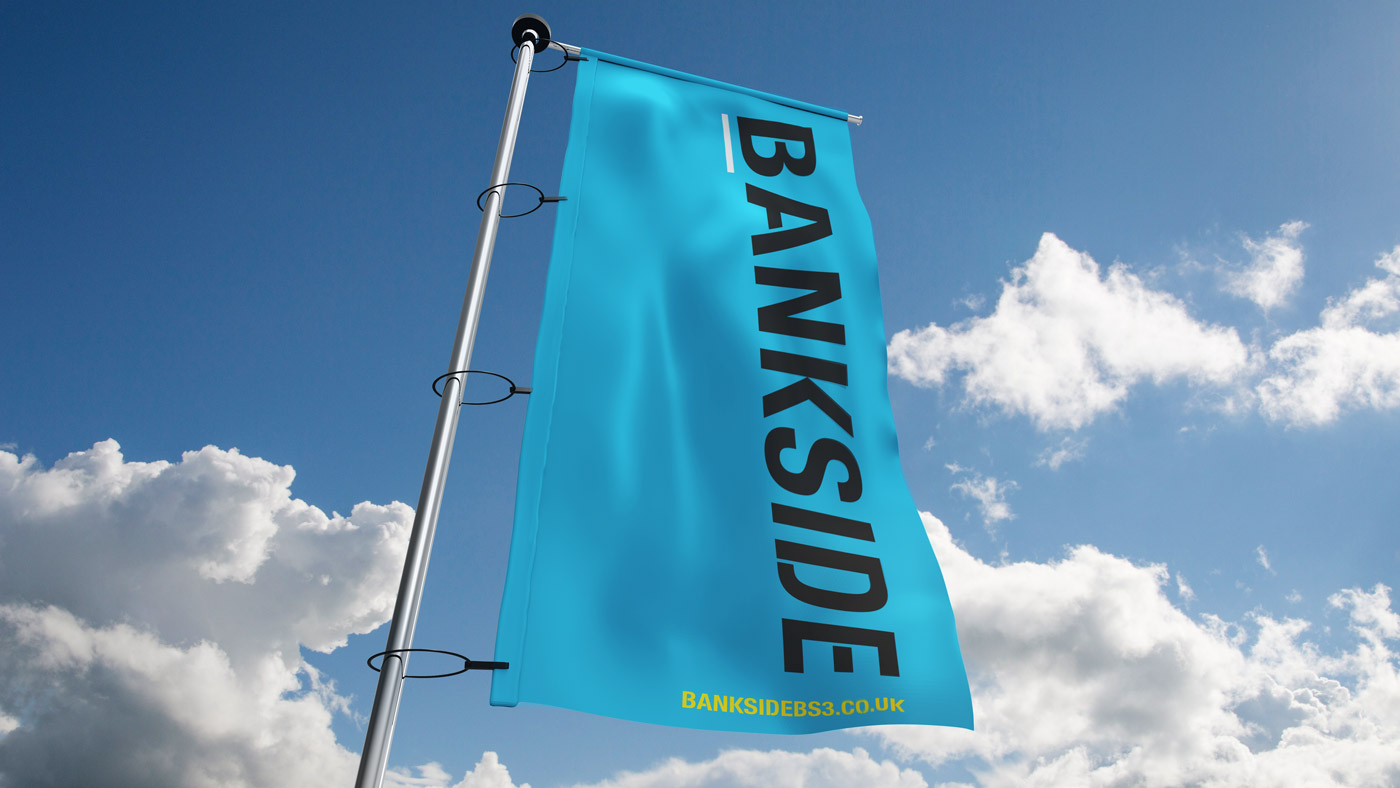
(530, 26)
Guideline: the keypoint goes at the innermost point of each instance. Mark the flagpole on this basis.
(528, 31)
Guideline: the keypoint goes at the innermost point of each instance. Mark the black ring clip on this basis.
(514, 389)
(543, 199)
(467, 664)
(568, 58)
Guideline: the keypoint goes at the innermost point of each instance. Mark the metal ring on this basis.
(534, 70)
(466, 663)
(511, 393)
(488, 189)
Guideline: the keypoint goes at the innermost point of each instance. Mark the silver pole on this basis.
(375, 756)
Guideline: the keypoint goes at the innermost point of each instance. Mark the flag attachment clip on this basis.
(569, 57)
(514, 389)
(543, 199)
(467, 664)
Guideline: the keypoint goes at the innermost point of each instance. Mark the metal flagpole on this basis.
(529, 32)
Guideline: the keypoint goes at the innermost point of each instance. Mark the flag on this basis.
(712, 529)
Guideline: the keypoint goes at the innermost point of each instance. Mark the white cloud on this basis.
(1262, 556)
(1084, 673)
(430, 775)
(820, 768)
(1342, 364)
(151, 616)
(151, 713)
(488, 773)
(1066, 342)
(973, 302)
(1322, 372)
(1275, 269)
(1183, 590)
(1373, 301)
(989, 493)
(1068, 450)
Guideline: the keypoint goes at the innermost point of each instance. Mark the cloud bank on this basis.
(151, 616)
(1085, 673)
(820, 768)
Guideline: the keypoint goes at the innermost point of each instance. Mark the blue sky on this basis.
(1140, 279)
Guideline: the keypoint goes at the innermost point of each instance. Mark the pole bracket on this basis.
(514, 389)
(569, 57)
(467, 664)
(542, 199)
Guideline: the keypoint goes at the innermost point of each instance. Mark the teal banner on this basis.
(712, 529)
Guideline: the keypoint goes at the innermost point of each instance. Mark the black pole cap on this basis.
(525, 25)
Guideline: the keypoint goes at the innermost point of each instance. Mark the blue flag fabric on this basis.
(712, 529)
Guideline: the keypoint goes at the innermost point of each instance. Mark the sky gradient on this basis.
(1141, 279)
